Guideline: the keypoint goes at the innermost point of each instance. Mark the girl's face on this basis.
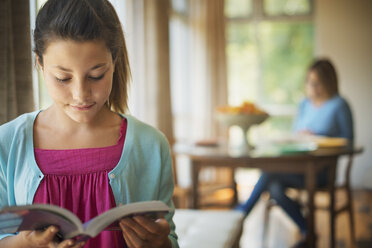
(315, 90)
(78, 76)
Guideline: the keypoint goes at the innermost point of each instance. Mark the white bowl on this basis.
(242, 120)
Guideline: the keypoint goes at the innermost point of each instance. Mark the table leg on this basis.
(195, 168)
(310, 180)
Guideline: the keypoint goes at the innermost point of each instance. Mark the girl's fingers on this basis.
(140, 230)
(146, 223)
(69, 243)
(46, 236)
(79, 245)
(157, 227)
(128, 241)
(131, 237)
(137, 228)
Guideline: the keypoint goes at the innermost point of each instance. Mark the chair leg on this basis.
(235, 189)
(351, 217)
(332, 215)
(268, 206)
(350, 202)
(332, 208)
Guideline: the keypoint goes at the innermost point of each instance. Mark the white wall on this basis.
(344, 34)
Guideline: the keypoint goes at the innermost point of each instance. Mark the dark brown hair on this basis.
(327, 75)
(86, 20)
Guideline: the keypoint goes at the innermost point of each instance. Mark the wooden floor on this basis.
(282, 232)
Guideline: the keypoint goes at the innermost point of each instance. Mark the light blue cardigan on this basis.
(143, 173)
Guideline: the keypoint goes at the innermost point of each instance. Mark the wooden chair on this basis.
(182, 196)
(202, 228)
(331, 208)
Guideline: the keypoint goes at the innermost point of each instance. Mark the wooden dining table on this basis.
(308, 163)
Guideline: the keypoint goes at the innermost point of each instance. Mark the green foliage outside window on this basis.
(287, 49)
(267, 62)
(286, 7)
(238, 8)
(267, 58)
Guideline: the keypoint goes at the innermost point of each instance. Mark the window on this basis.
(269, 47)
(179, 32)
(42, 99)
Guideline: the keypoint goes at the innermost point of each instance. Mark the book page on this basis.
(97, 224)
(40, 216)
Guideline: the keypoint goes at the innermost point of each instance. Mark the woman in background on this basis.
(322, 112)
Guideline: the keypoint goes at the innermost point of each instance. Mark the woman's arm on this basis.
(297, 122)
(345, 122)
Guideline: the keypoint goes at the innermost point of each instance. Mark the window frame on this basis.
(258, 15)
(35, 73)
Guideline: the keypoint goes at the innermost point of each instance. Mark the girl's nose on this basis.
(81, 91)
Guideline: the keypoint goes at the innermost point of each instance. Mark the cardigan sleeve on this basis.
(3, 172)
(4, 153)
(3, 192)
(166, 191)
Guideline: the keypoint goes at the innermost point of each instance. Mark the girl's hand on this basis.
(44, 239)
(140, 231)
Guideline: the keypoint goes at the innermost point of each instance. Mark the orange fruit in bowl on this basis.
(245, 108)
(245, 115)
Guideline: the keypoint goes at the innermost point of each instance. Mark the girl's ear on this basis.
(38, 62)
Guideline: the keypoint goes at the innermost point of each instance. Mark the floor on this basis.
(282, 232)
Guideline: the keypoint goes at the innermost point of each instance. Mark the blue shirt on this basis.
(333, 118)
(143, 173)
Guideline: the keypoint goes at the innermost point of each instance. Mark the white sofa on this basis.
(208, 228)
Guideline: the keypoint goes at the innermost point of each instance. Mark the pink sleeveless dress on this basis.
(77, 179)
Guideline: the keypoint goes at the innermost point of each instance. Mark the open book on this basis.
(40, 216)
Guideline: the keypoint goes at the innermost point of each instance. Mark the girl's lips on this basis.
(82, 107)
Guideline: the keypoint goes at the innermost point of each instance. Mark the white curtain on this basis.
(147, 36)
(205, 86)
(199, 82)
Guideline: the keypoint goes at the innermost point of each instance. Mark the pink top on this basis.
(77, 179)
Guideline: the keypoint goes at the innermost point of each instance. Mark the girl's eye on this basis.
(62, 80)
(97, 78)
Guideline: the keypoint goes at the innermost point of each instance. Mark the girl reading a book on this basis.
(83, 153)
